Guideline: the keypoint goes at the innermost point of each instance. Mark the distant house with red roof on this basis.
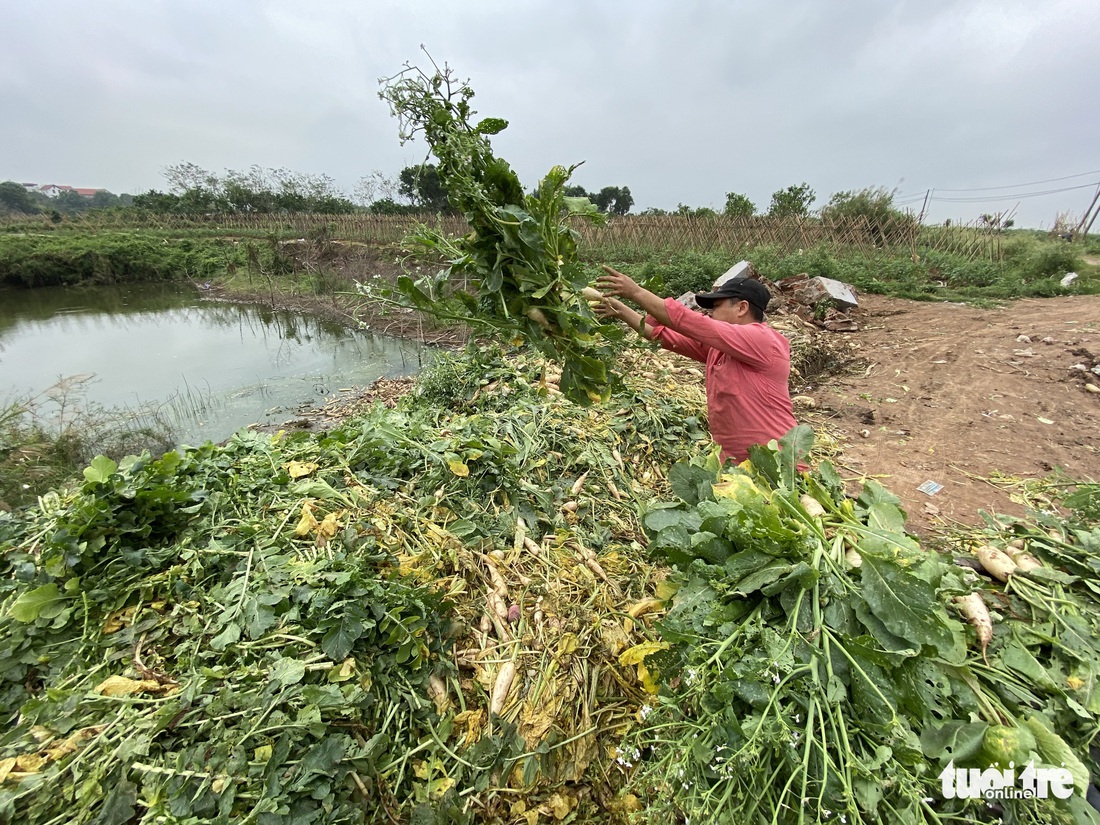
(54, 189)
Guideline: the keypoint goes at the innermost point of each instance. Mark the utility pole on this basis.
(924, 208)
(1085, 217)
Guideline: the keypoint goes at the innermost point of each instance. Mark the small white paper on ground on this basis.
(930, 488)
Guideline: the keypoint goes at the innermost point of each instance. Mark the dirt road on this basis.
(956, 394)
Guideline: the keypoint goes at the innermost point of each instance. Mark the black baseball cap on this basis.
(742, 288)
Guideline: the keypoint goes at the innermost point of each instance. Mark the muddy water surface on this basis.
(208, 368)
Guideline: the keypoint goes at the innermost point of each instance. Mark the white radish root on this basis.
(501, 687)
(811, 505)
(996, 562)
(973, 608)
(578, 485)
(539, 317)
(1026, 562)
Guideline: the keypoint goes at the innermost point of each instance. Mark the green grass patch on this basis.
(60, 259)
(1030, 267)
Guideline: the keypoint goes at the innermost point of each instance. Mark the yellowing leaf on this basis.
(666, 590)
(18, 767)
(329, 525)
(560, 806)
(636, 654)
(308, 523)
(645, 676)
(458, 468)
(438, 787)
(70, 745)
(29, 763)
(568, 644)
(300, 469)
(121, 686)
(344, 672)
(262, 753)
(118, 620)
(24, 763)
(737, 487)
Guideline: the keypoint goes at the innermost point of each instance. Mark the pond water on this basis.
(207, 368)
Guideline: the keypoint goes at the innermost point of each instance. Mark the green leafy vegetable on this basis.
(516, 273)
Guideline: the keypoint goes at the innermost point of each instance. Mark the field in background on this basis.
(904, 259)
(621, 235)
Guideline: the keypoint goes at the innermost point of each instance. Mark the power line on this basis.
(1015, 185)
(1016, 196)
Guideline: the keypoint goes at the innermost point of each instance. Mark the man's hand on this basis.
(614, 282)
(611, 308)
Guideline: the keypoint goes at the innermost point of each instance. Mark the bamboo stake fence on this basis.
(621, 237)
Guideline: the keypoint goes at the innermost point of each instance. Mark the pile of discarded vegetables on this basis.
(489, 604)
(814, 666)
(417, 616)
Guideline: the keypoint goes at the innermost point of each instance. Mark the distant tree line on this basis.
(193, 190)
(875, 205)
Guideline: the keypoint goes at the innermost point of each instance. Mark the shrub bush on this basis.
(1049, 259)
(683, 272)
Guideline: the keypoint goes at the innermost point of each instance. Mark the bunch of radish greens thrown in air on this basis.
(516, 273)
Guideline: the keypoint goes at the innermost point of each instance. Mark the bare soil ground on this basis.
(956, 395)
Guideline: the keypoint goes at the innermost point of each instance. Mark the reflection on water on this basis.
(212, 367)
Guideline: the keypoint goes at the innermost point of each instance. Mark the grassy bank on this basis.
(47, 439)
(70, 258)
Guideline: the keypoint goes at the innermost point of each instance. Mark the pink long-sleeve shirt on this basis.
(748, 367)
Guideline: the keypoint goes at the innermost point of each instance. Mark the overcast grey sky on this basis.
(682, 101)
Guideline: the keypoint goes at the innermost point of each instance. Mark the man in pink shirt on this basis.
(748, 363)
